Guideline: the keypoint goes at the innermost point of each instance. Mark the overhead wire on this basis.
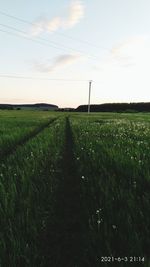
(57, 33)
(39, 78)
(25, 37)
(42, 41)
(80, 41)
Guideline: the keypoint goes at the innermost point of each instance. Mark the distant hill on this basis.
(117, 107)
(66, 109)
(38, 106)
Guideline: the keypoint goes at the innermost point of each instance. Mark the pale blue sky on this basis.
(104, 40)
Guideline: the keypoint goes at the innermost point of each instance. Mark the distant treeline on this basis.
(66, 109)
(6, 106)
(108, 107)
(41, 106)
(117, 107)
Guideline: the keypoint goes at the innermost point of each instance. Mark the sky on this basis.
(49, 50)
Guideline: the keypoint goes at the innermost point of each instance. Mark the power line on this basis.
(81, 41)
(25, 37)
(16, 18)
(41, 40)
(39, 78)
(61, 34)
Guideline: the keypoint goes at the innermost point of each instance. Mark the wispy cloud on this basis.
(131, 52)
(126, 44)
(124, 72)
(58, 62)
(128, 51)
(75, 14)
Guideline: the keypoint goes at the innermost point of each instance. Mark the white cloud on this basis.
(124, 73)
(53, 24)
(130, 50)
(75, 14)
(127, 44)
(58, 62)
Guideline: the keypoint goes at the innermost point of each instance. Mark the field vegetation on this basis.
(74, 188)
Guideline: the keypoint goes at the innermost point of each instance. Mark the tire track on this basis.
(24, 140)
(65, 238)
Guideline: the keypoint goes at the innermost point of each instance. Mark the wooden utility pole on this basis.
(90, 85)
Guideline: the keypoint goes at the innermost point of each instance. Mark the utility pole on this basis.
(90, 85)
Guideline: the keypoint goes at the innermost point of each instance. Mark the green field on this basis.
(74, 189)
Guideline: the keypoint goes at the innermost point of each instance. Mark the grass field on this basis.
(74, 189)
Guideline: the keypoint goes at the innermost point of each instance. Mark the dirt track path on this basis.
(25, 139)
(65, 240)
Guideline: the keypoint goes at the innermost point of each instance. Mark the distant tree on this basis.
(116, 107)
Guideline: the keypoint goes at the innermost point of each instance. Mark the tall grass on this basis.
(26, 186)
(16, 127)
(114, 165)
(97, 169)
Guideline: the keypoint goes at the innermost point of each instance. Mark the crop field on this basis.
(74, 189)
